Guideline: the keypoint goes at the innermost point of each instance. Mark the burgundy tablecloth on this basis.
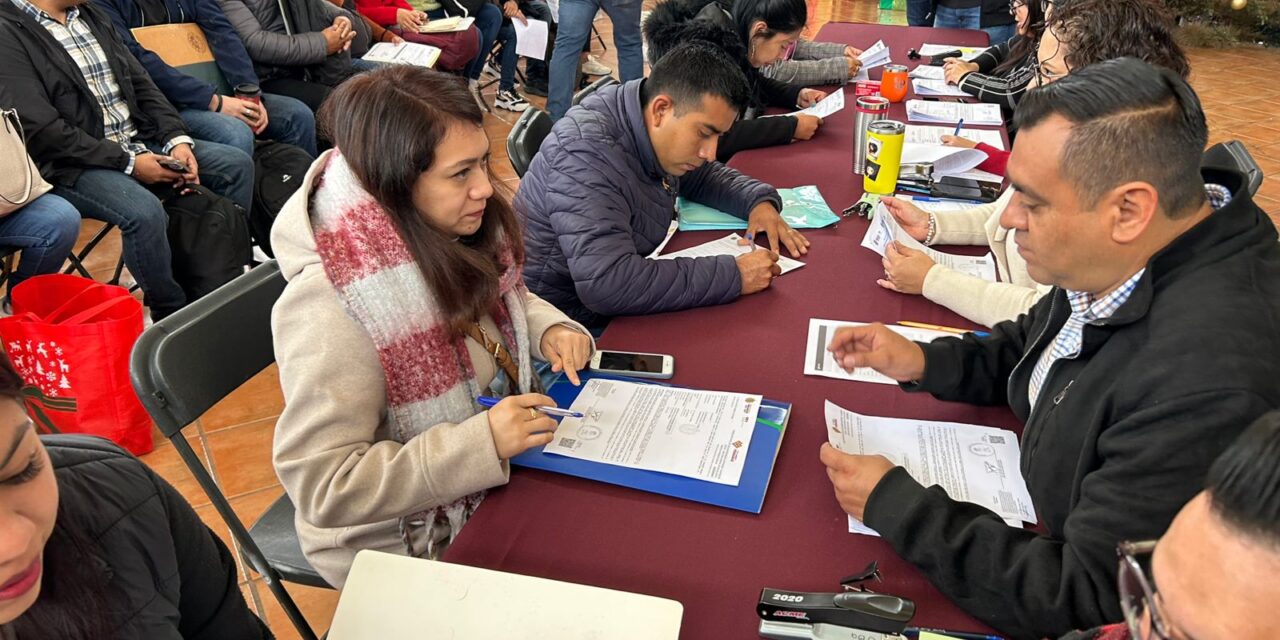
(714, 560)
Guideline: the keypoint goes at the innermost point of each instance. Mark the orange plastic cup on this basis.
(893, 83)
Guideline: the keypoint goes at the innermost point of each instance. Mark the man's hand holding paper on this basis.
(875, 346)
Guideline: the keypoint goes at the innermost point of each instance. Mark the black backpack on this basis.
(209, 239)
(278, 170)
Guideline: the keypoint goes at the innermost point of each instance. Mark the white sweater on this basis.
(987, 303)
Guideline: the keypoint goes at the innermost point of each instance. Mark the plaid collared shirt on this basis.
(1087, 309)
(80, 43)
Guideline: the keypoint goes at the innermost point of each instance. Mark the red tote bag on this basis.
(70, 338)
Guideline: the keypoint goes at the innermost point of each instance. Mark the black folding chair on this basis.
(1233, 154)
(599, 84)
(182, 366)
(526, 137)
(77, 259)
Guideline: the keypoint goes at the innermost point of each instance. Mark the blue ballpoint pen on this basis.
(914, 632)
(958, 126)
(751, 241)
(486, 401)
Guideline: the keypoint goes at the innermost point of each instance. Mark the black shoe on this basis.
(535, 88)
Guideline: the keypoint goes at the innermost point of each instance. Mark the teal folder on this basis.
(748, 495)
(802, 208)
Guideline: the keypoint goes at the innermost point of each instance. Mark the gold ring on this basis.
(533, 413)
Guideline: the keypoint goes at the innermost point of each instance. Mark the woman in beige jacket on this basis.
(986, 303)
(404, 304)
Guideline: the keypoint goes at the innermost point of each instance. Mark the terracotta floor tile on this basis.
(242, 456)
(166, 462)
(256, 399)
(317, 606)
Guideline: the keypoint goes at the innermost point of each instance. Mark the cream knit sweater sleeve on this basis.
(983, 302)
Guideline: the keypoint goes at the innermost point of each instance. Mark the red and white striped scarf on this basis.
(430, 379)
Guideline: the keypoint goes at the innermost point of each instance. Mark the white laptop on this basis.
(393, 596)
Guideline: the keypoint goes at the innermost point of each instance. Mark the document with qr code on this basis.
(697, 434)
(971, 463)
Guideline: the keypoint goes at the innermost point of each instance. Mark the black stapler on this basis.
(856, 609)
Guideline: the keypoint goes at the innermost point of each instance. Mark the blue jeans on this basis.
(949, 18)
(488, 23)
(1001, 33)
(226, 170)
(45, 230)
(507, 36)
(290, 121)
(112, 196)
(918, 13)
(572, 33)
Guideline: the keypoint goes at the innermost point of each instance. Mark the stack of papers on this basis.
(422, 55)
(824, 108)
(926, 87)
(446, 25)
(971, 463)
(966, 53)
(947, 161)
(802, 208)
(920, 134)
(928, 72)
(936, 205)
(884, 229)
(819, 362)
(727, 246)
(696, 434)
(953, 112)
(875, 55)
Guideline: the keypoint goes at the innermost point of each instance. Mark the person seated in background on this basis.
(96, 545)
(1082, 32)
(1155, 350)
(537, 72)
(1002, 73)
(754, 35)
(44, 230)
(1211, 576)
(1147, 34)
(104, 135)
(208, 115)
(303, 55)
(457, 49)
(404, 304)
(600, 195)
(488, 23)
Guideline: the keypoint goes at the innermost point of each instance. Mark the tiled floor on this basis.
(237, 433)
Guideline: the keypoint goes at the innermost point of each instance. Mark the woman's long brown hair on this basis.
(387, 124)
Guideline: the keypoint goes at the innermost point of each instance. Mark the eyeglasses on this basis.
(1137, 595)
(1015, 5)
(1045, 5)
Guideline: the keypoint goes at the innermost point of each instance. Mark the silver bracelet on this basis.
(933, 230)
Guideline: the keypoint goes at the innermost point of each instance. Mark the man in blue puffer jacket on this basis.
(600, 195)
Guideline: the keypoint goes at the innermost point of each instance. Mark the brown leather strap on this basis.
(500, 354)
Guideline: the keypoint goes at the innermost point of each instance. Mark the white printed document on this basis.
(825, 107)
(953, 112)
(966, 53)
(925, 134)
(422, 55)
(971, 463)
(727, 246)
(947, 161)
(928, 72)
(936, 205)
(531, 38)
(819, 362)
(447, 25)
(926, 87)
(885, 229)
(697, 434)
(875, 55)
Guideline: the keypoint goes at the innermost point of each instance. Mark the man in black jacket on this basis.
(1157, 347)
(102, 133)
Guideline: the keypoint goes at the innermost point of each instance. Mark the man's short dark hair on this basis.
(693, 70)
(1098, 30)
(1131, 121)
(1244, 482)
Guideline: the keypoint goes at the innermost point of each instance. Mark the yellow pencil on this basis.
(938, 327)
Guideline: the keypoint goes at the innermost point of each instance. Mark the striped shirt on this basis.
(79, 42)
(1088, 309)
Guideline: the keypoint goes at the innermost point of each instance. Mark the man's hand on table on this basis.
(853, 477)
(764, 218)
(875, 346)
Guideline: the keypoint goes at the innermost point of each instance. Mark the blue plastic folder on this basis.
(802, 208)
(771, 425)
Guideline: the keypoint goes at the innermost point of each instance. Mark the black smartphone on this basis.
(173, 164)
(941, 58)
(965, 189)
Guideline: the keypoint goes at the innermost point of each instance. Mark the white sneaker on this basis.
(511, 101)
(592, 67)
(490, 70)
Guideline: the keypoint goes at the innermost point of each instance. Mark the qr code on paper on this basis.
(995, 439)
(568, 443)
